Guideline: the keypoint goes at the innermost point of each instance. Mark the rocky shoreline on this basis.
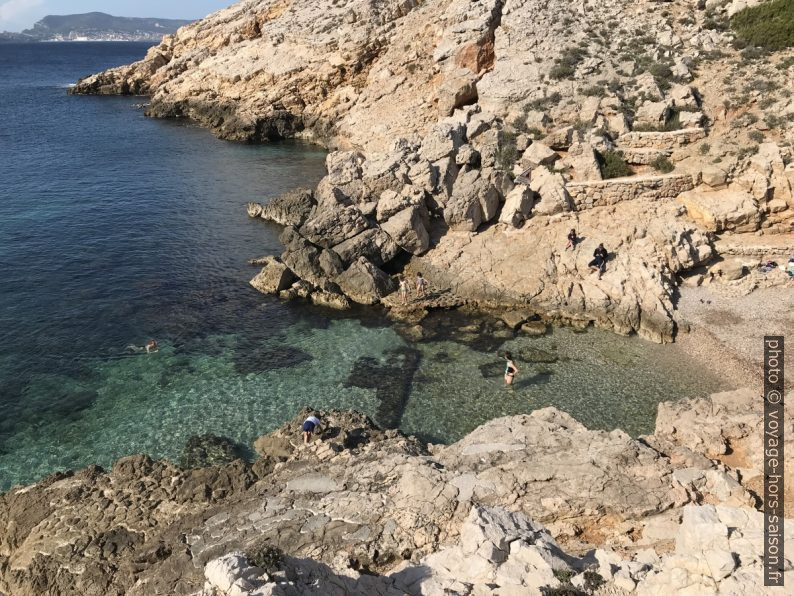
(455, 156)
(522, 503)
(466, 140)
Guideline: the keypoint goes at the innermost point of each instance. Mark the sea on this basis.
(116, 229)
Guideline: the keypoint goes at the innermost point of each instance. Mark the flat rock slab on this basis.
(314, 483)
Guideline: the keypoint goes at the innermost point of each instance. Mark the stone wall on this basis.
(643, 157)
(586, 195)
(661, 140)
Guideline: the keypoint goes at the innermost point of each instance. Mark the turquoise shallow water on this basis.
(115, 228)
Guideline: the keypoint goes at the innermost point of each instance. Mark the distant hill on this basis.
(96, 26)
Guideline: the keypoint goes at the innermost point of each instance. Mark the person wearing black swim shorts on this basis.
(310, 426)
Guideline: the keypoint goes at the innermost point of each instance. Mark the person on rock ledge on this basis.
(310, 426)
(404, 289)
(599, 262)
(572, 240)
(421, 285)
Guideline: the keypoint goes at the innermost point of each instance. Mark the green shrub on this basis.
(592, 581)
(769, 25)
(773, 121)
(662, 73)
(662, 164)
(520, 124)
(507, 155)
(543, 102)
(746, 152)
(562, 71)
(756, 136)
(714, 24)
(565, 66)
(704, 149)
(594, 91)
(673, 121)
(613, 165)
(263, 555)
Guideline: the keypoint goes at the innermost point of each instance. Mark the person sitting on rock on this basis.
(511, 370)
(152, 346)
(599, 262)
(404, 290)
(421, 285)
(572, 240)
(310, 426)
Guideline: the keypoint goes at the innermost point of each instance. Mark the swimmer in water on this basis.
(152, 346)
(511, 370)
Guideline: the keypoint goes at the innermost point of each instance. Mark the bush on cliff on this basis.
(613, 165)
(662, 164)
(267, 557)
(769, 25)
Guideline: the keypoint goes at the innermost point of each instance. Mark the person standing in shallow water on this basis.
(511, 370)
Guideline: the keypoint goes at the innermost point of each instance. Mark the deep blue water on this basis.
(115, 228)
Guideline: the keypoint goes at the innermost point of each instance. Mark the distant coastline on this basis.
(95, 26)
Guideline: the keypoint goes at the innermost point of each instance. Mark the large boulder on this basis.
(364, 283)
(562, 138)
(408, 229)
(374, 244)
(444, 140)
(683, 97)
(290, 209)
(474, 201)
(652, 113)
(517, 207)
(391, 202)
(329, 227)
(274, 277)
(458, 89)
(311, 263)
(344, 167)
(538, 154)
(582, 160)
(550, 186)
(720, 210)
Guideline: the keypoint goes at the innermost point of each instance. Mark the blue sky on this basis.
(16, 15)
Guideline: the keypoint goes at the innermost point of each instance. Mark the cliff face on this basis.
(474, 135)
(366, 511)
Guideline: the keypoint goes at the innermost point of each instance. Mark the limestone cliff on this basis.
(473, 135)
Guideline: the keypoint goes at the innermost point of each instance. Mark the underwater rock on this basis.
(209, 450)
(252, 358)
